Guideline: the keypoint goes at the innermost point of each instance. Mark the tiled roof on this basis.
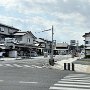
(23, 33)
(61, 45)
(39, 40)
(20, 33)
(8, 26)
(86, 34)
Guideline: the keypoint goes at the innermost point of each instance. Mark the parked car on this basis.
(2, 54)
(34, 54)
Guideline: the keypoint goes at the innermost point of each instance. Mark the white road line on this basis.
(28, 66)
(17, 65)
(36, 66)
(79, 75)
(70, 85)
(74, 82)
(66, 88)
(78, 78)
(28, 82)
(1, 80)
(9, 65)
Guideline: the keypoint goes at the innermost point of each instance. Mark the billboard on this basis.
(73, 42)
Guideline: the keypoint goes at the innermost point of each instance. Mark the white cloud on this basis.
(67, 16)
(42, 1)
(9, 3)
(65, 0)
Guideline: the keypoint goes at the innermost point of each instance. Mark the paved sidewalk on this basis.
(57, 57)
(9, 59)
(60, 64)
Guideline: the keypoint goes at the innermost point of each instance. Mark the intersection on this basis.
(37, 74)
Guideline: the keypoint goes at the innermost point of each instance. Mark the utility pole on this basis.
(77, 45)
(51, 60)
(52, 45)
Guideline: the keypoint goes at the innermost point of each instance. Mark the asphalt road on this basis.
(29, 75)
(21, 78)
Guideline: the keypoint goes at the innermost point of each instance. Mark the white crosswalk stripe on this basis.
(73, 82)
(36, 66)
(9, 65)
(28, 66)
(17, 65)
(20, 66)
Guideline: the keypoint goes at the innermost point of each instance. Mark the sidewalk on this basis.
(57, 57)
(82, 66)
(60, 64)
(79, 66)
(9, 59)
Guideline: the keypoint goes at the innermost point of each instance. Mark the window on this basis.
(1, 29)
(87, 42)
(10, 31)
(28, 40)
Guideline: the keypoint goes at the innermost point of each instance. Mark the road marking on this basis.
(71, 76)
(70, 85)
(77, 75)
(28, 66)
(86, 78)
(9, 65)
(17, 65)
(66, 88)
(1, 80)
(72, 82)
(75, 80)
(28, 82)
(36, 66)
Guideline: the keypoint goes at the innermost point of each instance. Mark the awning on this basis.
(87, 48)
(60, 49)
(2, 47)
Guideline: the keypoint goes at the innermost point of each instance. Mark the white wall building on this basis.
(61, 48)
(87, 44)
(25, 38)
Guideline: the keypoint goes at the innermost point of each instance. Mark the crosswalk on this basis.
(21, 66)
(73, 82)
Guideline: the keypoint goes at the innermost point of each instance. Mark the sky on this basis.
(70, 18)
